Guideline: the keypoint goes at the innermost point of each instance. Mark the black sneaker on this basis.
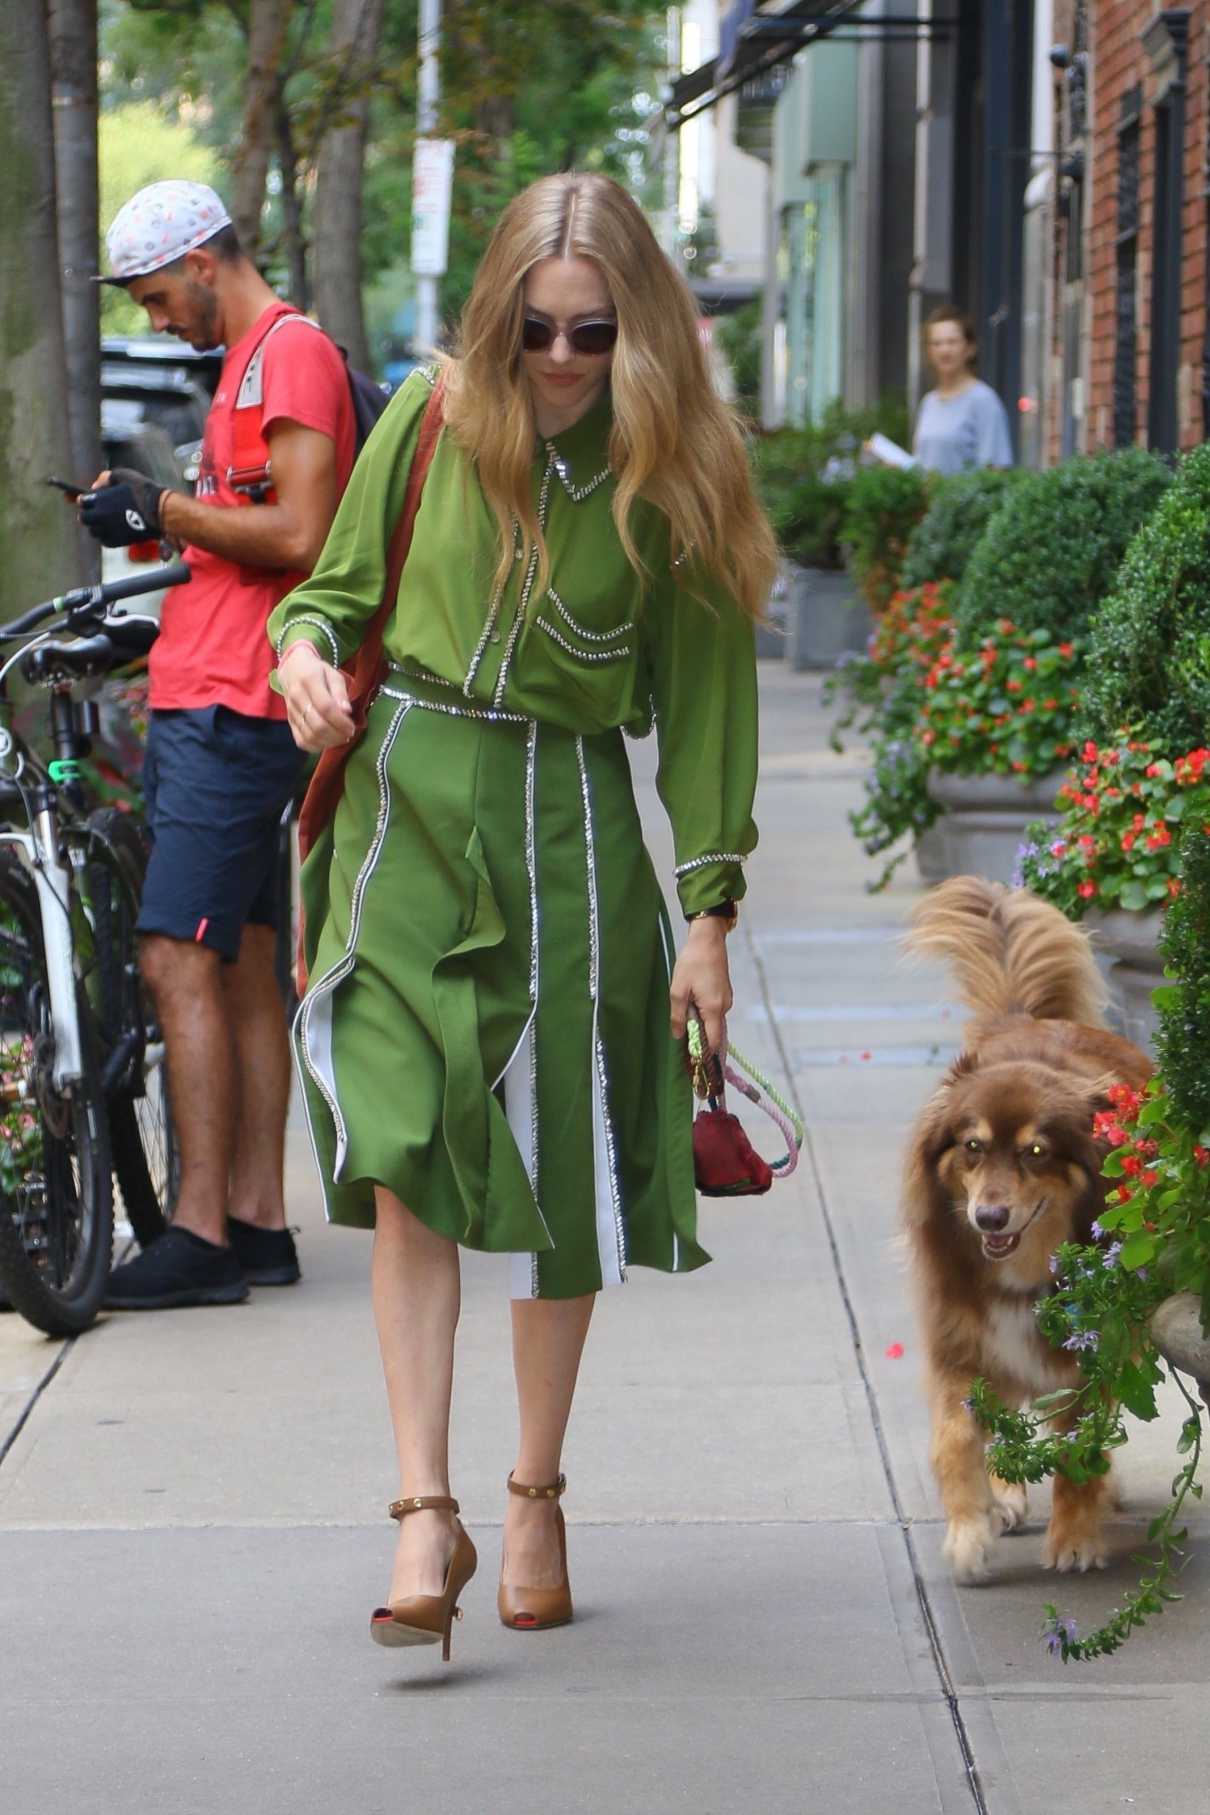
(268, 1256)
(179, 1268)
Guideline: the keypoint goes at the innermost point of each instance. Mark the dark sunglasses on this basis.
(590, 337)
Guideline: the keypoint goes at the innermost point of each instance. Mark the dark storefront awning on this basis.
(752, 41)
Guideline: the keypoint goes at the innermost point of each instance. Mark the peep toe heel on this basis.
(535, 1609)
(422, 1619)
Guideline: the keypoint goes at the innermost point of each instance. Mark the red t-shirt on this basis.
(212, 648)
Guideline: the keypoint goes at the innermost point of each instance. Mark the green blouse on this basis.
(598, 650)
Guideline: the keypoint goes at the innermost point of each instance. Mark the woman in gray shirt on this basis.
(961, 423)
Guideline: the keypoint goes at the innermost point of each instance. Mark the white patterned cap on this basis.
(159, 225)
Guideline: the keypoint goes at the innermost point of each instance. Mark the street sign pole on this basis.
(429, 232)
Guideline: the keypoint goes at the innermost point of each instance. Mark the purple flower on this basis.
(1060, 1631)
(1053, 1263)
(1110, 1258)
(1097, 1232)
(1083, 1339)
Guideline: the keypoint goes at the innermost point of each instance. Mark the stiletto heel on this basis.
(535, 1609)
(422, 1619)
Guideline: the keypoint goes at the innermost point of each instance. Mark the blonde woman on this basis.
(491, 1046)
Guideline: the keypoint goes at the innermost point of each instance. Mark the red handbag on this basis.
(725, 1163)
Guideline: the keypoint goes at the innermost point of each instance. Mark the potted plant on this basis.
(883, 689)
(1138, 1297)
(1114, 857)
(805, 477)
(883, 507)
(997, 725)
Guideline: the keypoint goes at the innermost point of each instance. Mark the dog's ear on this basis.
(923, 1194)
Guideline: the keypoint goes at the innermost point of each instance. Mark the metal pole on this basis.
(428, 98)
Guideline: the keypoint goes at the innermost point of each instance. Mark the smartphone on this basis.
(64, 485)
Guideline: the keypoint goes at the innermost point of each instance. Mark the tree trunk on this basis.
(299, 290)
(73, 60)
(337, 219)
(267, 21)
(37, 559)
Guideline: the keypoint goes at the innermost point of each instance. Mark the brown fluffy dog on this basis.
(1002, 1169)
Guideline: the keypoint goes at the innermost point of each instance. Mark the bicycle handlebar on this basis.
(84, 600)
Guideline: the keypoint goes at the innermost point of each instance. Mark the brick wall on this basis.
(1118, 62)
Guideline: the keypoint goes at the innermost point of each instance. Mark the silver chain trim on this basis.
(484, 712)
(697, 863)
(577, 493)
(530, 575)
(588, 636)
(320, 624)
(583, 655)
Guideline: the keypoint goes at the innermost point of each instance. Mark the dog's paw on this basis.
(1011, 1504)
(1075, 1546)
(967, 1548)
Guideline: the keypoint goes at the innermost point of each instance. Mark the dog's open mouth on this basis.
(999, 1247)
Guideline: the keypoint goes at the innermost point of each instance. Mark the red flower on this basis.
(1087, 890)
(1128, 839)
(1067, 649)
(1013, 686)
(1030, 663)
(1202, 1155)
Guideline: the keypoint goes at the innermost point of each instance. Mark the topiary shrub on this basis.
(959, 511)
(1149, 648)
(1049, 557)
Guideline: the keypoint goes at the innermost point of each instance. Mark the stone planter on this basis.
(1177, 1329)
(985, 819)
(825, 618)
(929, 852)
(1130, 943)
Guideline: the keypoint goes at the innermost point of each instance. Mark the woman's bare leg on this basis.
(548, 1340)
(416, 1289)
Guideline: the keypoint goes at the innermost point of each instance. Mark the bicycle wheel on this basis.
(143, 1137)
(56, 1196)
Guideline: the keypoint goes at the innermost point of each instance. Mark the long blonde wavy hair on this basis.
(674, 443)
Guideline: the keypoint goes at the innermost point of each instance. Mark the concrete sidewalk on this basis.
(192, 1503)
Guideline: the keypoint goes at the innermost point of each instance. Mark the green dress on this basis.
(486, 1030)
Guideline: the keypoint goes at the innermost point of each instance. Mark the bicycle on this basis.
(83, 1092)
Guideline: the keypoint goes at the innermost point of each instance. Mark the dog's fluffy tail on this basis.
(1012, 953)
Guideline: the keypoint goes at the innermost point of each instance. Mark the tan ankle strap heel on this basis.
(534, 1609)
(399, 1509)
(554, 1492)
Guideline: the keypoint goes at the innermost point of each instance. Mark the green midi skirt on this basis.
(486, 1031)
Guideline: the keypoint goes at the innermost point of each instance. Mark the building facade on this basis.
(1043, 164)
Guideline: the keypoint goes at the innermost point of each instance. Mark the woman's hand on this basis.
(702, 980)
(317, 699)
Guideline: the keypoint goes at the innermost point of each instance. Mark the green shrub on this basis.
(738, 335)
(959, 511)
(805, 475)
(1149, 655)
(1049, 557)
(1183, 1039)
(884, 505)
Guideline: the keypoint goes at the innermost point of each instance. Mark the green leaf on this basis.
(1137, 1250)
(1134, 895)
(1176, 808)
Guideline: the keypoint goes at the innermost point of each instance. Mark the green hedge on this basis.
(960, 509)
(1149, 649)
(1050, 555)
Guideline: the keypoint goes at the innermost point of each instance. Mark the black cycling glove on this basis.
(124, 511)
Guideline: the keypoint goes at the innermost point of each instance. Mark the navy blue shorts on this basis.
(216, 784)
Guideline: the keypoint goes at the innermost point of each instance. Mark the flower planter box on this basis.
(1177, 1329)
(929, 852)
(985, 819)
(1131, 942)
(825, 618)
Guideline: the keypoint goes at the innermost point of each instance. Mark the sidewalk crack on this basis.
(932, 1630)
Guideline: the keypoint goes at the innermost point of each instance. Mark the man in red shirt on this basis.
(221, 764)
